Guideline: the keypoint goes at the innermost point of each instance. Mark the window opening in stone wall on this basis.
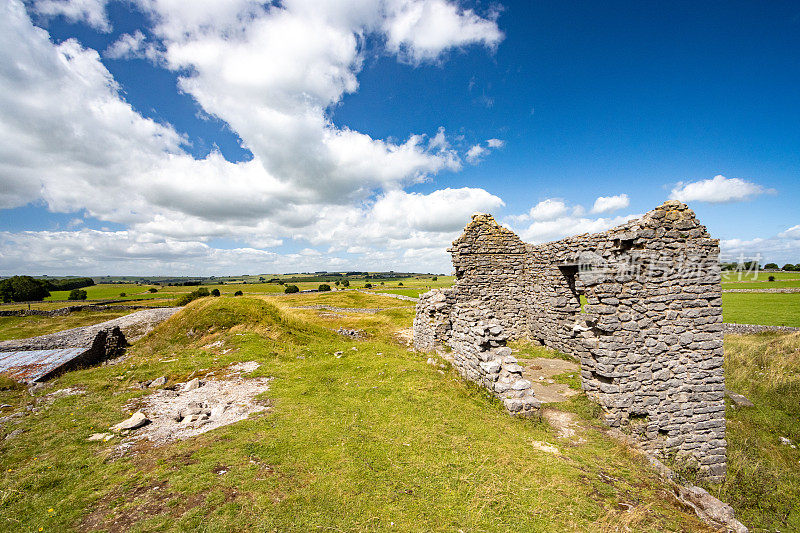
(623, 245)
(570, 273)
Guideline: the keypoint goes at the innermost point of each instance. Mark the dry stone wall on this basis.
(640, 305)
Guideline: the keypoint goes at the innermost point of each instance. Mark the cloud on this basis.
(66, 135)
(553, 219)
(545, 210)
(129, 46)
(398, 230)
(91, 12)
(272, 73)
(495, 143)
(566, 226)
(781, 248)
(717, 190)
(446, 210)
(791, 233)
(477, 152)
(421, 30)
(609, 204)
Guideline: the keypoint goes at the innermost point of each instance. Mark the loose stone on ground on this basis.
(199, 406)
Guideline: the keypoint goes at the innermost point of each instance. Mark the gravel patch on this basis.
(179, 414)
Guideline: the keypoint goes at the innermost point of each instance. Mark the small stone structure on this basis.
(640, 305)
(40, 358)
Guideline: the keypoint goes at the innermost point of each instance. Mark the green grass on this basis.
(414, 293)
(365, 442)
(787, 284)
(760, 276)
(763, 482)
(111, 291)
(769, 309)
(21, 327)
(527, 350)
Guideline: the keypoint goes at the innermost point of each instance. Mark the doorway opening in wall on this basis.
(570, 272)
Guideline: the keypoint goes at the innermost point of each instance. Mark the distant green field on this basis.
(21, 327)
(414, 293)
(758, 276)
(108, 291)
(786, 284)
(768, 309)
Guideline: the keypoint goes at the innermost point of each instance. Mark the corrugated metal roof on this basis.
(30, 365)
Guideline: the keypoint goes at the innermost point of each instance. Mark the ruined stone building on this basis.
(640, 306)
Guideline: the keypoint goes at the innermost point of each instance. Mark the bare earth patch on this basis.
(540, 371)
(213, 404)
(565, 423)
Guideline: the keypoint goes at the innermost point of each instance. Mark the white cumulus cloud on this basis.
(717, 190)
(420, 30)
(609, 204)
(92, 12)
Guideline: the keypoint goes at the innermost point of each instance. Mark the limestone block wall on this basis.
(489, 262)
(478, 350)
(640, 305)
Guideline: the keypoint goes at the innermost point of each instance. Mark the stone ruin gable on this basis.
(489, 263)
(649, 336)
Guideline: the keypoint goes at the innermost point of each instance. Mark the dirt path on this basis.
(540, 373)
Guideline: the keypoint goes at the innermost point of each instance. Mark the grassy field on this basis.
(786, 284)
(768, 309)
(374, 440)
(759, 276)
(414, 293)
(763, 483)
(111, 292)
(21, 327)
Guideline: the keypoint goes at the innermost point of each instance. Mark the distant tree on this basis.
(345, 283)
(122, 295)
(152, 290)
(76, 294)
(67, 284)
(23, 289)
(368, 285)
(291, 289)
(771, 278)
(214, 292)
(238, 293)
(788, 267)
(261, 279)
(771, 266)
(400, 284)
(202, 292)
(323, 287)
(381, 283)
(434, 278)
(337, 282)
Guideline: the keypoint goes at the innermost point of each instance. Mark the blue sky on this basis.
(157, 137)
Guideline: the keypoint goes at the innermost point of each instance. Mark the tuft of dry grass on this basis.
(763, 481)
